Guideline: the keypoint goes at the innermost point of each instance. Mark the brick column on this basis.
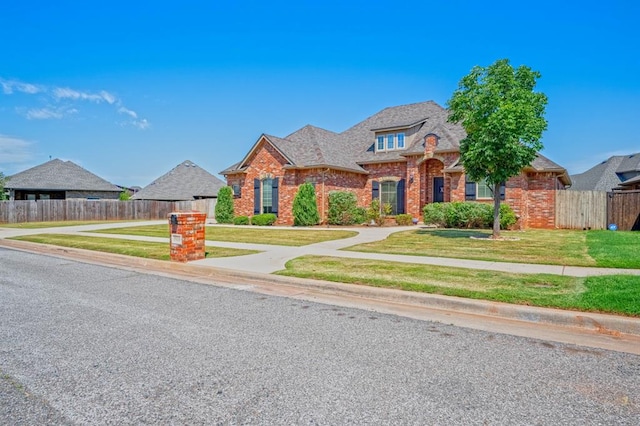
(187, 236)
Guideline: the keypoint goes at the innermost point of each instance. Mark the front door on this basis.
(438, 189)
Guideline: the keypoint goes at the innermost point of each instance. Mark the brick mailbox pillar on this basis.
(187, 235)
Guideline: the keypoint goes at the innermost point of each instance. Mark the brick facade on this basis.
(187, 236)
(531, 194)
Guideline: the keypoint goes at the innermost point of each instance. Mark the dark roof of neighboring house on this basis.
(58, 175)
(631, 182)
(186, 181)
(606, 175)
(312, 147)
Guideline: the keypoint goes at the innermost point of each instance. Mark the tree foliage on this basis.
(305, 207)
(504, 120)
(224, 206)
(3, 182)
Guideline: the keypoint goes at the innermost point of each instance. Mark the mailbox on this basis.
(187, 240)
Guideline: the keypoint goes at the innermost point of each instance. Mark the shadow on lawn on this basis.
(454, 233)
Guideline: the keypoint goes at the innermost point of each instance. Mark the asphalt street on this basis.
(89, 344)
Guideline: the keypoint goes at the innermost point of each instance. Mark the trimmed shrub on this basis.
(508, 217)
(264, 219)
(435, 214)
(241, 220)
(373, 212)
(359, 215)
(343, 209)
(404, 219)
(224, 206)
(305, 208)
(460, 214)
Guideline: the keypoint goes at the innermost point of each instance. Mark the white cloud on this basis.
(9, 86)
(14, 150)
(123, 110)
(68, 93)
(43, 114)
(54, 95)
(108, 97)
(142, 124)
(49, 113)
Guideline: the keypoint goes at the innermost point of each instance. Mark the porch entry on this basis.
(438, 189)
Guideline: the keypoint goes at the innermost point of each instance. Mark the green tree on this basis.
(3, 182)
(305, 207)
(504, 120)
(224, 205)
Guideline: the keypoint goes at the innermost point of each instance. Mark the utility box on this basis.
(187, 236)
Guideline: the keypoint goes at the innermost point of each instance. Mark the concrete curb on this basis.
(612, 325)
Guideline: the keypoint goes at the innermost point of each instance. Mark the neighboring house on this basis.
(185, 182)
(407, 156)
(632, 184)
(609, 174)
(59, 180)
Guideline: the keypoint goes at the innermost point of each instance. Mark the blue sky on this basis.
(129, 90)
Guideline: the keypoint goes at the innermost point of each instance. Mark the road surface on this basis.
(88, 344)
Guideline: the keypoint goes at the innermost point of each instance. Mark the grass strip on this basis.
(253, 235)
(614, 249)
(618, 294)
(148, 250)
(551, 247)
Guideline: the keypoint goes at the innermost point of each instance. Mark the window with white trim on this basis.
(484, 191)
(390, 142)
(267, 195)
(388, 195)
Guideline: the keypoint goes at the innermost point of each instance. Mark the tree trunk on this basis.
(496, 210)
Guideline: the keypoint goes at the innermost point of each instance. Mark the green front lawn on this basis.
(148, 250)
(619, 294)
(552, 247)
(253, 235)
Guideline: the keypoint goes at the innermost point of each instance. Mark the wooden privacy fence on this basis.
(581, 209)
(80, 209)
(623, 210)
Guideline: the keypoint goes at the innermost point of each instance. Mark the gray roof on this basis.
(608, 174)
(58, 175)
(314, 147)
(186, 181)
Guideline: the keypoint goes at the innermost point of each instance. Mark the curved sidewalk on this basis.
(250, 273)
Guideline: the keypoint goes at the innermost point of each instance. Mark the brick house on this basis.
(407, 156)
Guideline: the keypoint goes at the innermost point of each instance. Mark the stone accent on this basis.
(187, 239)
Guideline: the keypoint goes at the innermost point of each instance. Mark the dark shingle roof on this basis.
(59, 175)
(604, 176)
(311, 146)
(186, 181)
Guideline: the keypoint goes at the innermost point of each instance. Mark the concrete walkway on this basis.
(273, 258)
(253, 273)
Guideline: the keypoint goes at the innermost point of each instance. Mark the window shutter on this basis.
(502, 190)
(274, 197)
(469, 190)
(375, 189)
(400, 197)
(256, 196)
